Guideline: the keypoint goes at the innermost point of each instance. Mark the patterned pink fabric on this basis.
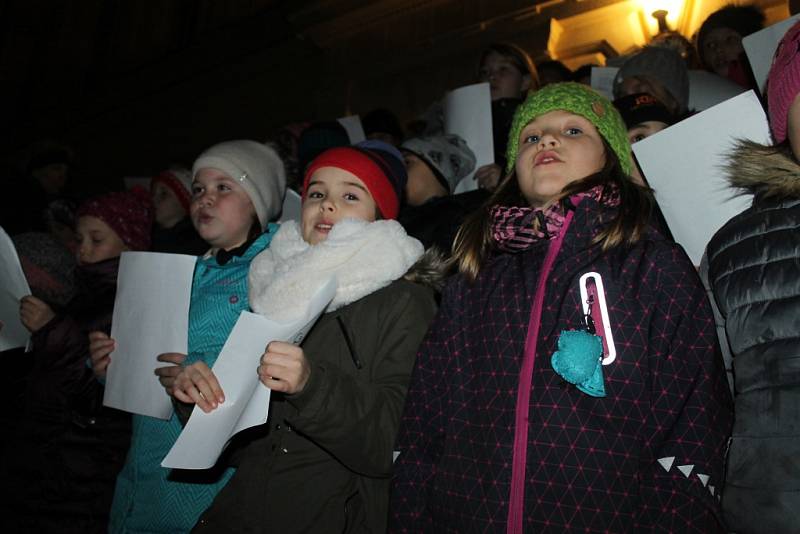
(514, 228)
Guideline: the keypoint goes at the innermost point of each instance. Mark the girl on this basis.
(752, 269)
(571, 380)
(70, 448)
(511, 73)
(171, 192)
(324, 461)
(237, 188)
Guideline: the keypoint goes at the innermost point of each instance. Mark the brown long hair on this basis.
(474, 239)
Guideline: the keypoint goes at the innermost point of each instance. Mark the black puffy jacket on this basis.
(754, 273)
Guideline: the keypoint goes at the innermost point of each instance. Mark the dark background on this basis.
(134, 85)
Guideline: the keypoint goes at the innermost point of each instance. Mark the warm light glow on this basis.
(672, 7)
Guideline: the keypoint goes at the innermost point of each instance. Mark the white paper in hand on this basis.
(684, 165)
(468, 114)
(246, 400)
(151, 317)
(13, 286)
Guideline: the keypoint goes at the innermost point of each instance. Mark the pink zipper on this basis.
(520, 453)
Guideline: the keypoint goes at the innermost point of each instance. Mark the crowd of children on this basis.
(536, 355)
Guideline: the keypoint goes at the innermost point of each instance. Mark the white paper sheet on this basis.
(151, 317)
(292, 205)
(602, 80)
(355, 131)
(707, 89)
(468, 113)
(683, 164)
(246, 400)
(13, 286)
(760, 48)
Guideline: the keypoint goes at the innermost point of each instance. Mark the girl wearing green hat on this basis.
(571, 380)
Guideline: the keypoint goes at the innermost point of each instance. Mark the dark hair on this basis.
(474, 239)
(556, 66)
(521, 60)
(744, 20)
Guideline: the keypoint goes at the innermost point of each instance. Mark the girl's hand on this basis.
(166, 375)
(488, 176)
(284, 368)
(34, 313)
(100, 346)
(196, 384)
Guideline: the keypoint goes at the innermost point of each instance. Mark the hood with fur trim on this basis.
(765, 171)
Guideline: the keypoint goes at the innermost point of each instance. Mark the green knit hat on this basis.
(579, 99)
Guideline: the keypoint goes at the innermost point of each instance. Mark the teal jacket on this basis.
(148, 497)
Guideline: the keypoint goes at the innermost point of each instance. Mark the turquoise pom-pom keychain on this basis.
(579, 361)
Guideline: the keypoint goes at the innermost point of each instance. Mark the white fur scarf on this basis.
(364, 257)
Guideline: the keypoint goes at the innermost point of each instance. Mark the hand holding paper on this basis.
(284, 368)
(151, 317)
(246, 401)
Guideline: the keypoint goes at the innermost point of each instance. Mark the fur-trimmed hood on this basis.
(766, 171)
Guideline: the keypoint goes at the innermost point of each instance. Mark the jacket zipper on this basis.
(520, 452)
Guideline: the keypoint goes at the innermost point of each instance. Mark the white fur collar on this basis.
(364, 257)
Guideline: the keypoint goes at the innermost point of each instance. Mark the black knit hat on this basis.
(642, 107)
(744, 20)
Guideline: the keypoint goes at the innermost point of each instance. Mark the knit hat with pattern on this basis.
(179, 181)
(128, 213)
(783, 82)
(380, 170)
(448, 156)
(256, 167)
(578, 99)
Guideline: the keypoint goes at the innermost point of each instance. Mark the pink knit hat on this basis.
(783, 82)
(128, 213)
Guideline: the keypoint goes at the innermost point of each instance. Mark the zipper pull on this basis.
(587, 316)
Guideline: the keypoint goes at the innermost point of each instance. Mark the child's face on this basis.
(334, 194)
(422, 184)
(166, 206)
(505, 79)
(645, 130)
(722, 47)
(97, 241)
(221, 210)
(556, 149)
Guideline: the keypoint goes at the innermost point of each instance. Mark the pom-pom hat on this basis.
(578, 99)
(783, 82)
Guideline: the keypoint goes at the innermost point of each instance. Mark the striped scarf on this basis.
(515, 228)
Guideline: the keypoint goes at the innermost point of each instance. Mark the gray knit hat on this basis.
(447, 155)
(256, 167)
(664, 65)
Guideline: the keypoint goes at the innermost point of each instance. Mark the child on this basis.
(325, 458)
(237, 188)
(173, 232)
(753, 271)
(435, 165)
(70, 448)
(719, 41)
(571, 380)
(511, 73)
